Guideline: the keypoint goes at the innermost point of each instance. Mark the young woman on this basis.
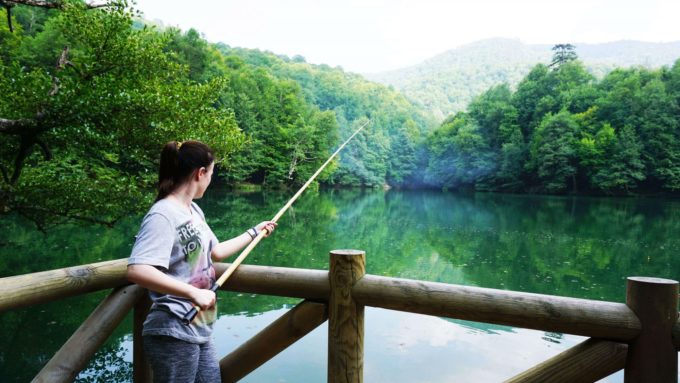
(172, 258)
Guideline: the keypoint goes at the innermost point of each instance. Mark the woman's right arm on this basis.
(153, 279)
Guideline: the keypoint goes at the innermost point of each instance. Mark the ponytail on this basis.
(178, 162)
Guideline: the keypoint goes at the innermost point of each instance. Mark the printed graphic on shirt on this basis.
(196, 254)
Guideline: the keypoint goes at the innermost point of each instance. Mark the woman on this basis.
(172, 257)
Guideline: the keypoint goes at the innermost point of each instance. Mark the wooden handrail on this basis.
(606, 321)
(45, 286)
(590, 318)
(29, 289)
(278, 281)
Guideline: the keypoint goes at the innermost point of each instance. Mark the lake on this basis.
(570, 246)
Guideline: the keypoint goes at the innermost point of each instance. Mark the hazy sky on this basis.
(375, 35)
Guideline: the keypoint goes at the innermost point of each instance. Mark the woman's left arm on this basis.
(230, 247)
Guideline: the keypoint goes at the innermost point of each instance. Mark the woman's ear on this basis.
(199, 172)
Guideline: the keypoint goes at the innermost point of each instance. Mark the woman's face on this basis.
(204, 178)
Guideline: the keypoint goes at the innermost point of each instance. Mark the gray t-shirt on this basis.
(178, 243)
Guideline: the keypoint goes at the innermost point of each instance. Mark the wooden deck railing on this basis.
(641, 336)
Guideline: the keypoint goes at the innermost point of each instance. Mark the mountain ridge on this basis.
(447, 82)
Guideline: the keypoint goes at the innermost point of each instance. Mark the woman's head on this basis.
(180, 162)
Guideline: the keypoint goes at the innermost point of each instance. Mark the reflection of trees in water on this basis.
(107, 366)
(29, 337)
(581, 247)
(577, 247)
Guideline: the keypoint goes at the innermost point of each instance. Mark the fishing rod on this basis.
(189, 317)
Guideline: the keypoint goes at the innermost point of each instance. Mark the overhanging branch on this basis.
(14, 126)
(40, 4)
(49, 4)
(31, 211)
(8, 7)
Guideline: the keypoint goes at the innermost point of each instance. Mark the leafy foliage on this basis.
(562, 131)
(83, 137)
(100, 117)
(447, 83)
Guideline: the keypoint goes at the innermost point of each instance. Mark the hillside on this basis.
(446, 83)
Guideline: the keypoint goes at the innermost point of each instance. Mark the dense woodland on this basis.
(90, 95)
(562, 131)
(445, 84)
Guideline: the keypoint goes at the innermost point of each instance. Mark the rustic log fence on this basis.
(642, 336)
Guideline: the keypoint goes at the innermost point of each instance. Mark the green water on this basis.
(577, 247)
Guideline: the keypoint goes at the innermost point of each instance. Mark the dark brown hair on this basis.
(178, 162)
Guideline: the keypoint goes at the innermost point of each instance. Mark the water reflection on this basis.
(578, 247)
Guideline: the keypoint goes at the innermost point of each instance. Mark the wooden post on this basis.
(273, 339)
(345, 318)
(589, 361)
(140, 364)
(652, 356)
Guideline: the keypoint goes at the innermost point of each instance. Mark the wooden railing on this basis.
(641, 336)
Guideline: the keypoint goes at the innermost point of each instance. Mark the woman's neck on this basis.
(182, 196)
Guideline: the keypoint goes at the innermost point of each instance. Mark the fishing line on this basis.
(189, 317)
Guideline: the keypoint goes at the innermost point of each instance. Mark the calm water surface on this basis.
(576, 247)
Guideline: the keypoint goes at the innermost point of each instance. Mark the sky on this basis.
(366, 36)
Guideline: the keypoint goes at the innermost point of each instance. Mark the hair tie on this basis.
(179, 145)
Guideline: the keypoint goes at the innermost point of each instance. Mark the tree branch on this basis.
(14, 126)
(47, 153)
(5, 176)
(26, 210)
(8, 7)
(24, 151)
(50, 4)
(41, 4)
(62, 62)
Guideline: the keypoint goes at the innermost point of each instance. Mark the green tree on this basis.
(512, 158)
(658, 129)
(460, 157)
(533, 99)
(403, 150)
(553, 152)
(622, 166)
(564, 53)
(81, 138)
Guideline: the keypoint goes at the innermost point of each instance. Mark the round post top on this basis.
(347, 252)
(652, 280)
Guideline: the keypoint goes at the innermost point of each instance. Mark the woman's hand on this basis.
(205, 299)
(230, 247)
(267, 226)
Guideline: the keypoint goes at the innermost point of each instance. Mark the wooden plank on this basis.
(597, 319)
(280, 281)
(345, 318)
(30, 289)
(74, 355)
(652, 356)
(273, 339)
(589, 361)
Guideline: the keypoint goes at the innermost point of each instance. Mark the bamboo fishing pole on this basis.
(189, 317)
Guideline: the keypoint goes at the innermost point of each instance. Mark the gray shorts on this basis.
(174, 360)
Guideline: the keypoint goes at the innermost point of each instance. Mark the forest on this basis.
(561, 131)
(91, 93)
